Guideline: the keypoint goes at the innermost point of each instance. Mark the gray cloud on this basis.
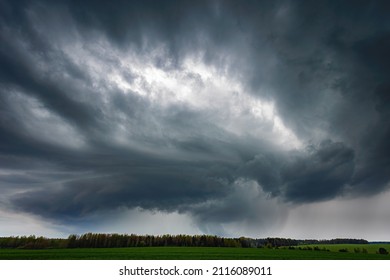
(320, 175)
(217, 109)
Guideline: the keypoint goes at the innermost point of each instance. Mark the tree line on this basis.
(104, 240)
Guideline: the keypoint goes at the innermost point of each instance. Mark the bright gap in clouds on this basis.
(196, 85)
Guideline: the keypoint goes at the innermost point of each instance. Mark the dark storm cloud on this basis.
(330, 67)
(324, 65)
(320, 175)
(163, 189)
(314, 174)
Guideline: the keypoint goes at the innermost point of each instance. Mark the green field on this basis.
(371, 248)
(195, 253)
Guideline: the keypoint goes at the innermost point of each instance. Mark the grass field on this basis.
(371, 248)
(195, 253)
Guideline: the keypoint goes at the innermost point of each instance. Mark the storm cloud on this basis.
(228, 112)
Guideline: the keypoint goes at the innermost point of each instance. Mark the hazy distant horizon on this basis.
(250, 237)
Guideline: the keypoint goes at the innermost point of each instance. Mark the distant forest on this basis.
(103, 240)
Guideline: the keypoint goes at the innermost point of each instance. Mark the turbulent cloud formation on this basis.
(229, 113)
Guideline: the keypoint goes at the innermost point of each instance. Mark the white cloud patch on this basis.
(216, 95)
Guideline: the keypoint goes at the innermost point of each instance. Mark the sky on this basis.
(233, 118)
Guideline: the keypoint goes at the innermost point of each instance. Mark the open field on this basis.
(371, 248)
(194, 253)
